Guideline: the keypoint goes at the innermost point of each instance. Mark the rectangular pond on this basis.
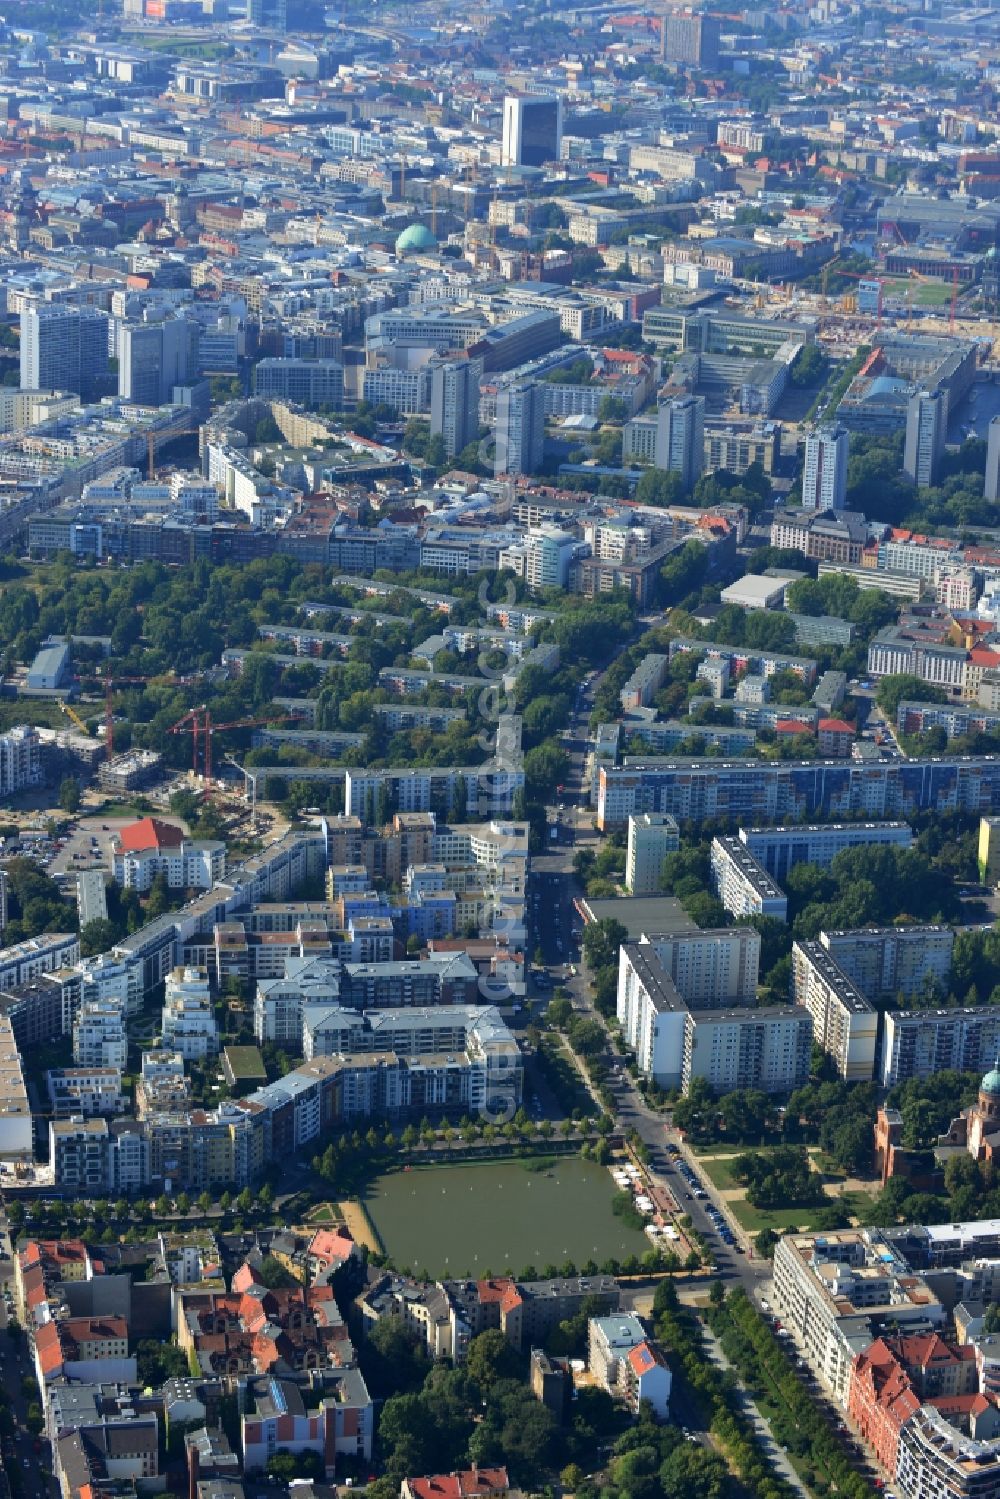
(499, 1215)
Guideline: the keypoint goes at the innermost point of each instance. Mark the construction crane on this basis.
(74, 717)
(198, 723)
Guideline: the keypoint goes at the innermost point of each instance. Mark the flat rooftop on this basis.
(640, 915)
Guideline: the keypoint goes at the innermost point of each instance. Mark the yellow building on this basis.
(989, 850)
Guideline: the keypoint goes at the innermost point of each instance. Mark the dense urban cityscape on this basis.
(499, 750)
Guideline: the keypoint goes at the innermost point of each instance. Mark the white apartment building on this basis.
(186, 866)
(542, 557)
(651, 837)
(742, 884)
(824, 469)
(188, 1025)
(935, 1458)
(779, 848)
(15, 1110)
(712, 968)
(99, 1038)
(767, 1048)
(844, 1023)
(113, 979)
(20, 759)
(893, 960)
(84, 1091)
(921, 1043)
(37, 955)
(651, 1014)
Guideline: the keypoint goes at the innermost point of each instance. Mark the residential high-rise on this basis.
(532, 130)
(680, 438)
(824, 473)
(20, 759)
(844, 1023)
(154, 357)
(455, 402)
(651, 837)
(926, 419)
(519, 430)
(690, 36)
(993, 461)
(64, 348)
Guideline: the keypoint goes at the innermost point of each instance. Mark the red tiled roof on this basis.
(469, 1484)
(149, 832)
(835, 726)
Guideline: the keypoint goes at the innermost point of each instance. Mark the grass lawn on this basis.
(325, 1212)
(719, 1171)
(925, 293)
(116, 810)
(753, 1219)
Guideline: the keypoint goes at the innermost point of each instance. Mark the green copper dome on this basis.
(991, 1082)
(415, 237)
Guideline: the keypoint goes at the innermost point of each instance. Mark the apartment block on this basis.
(921, 1043)
(844, 1023)
(779, 849)
(651, 837)
(742, 884)
(20, 759)
(767, 1048)
(99, 1035)
(885, 961)
(781, 792)
(15, 1110)
(836, 1292)
(688, 1013)
(716, 966)
(28, 960)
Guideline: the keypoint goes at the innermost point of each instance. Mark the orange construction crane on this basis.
(198, 722)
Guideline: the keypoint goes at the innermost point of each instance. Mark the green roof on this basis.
(244, 1064)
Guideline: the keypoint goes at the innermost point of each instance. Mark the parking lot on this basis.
(89, 844)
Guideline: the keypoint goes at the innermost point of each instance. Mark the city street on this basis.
(16, 1365)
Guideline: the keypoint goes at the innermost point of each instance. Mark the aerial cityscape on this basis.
(499, 750)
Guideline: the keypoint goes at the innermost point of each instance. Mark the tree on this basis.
(285, 1465)
(69, 794)
(602, 941)
(274, 1275)
(159, 897)
(97, 936)
(901, 686)
(491, 1358)
(808, 366)
(661, 487)
(765, 1242)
